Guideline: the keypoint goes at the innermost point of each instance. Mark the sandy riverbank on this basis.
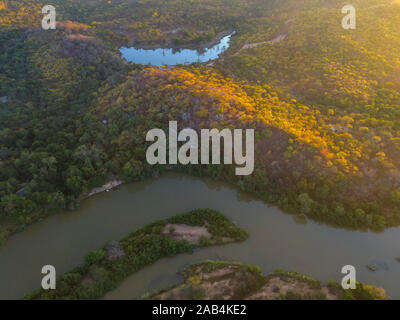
(106, 187)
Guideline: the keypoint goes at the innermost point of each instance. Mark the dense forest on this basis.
(324, 101)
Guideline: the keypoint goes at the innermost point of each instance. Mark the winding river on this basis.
(276, 239)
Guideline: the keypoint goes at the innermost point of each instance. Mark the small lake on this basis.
(172, 57)
(277, 240)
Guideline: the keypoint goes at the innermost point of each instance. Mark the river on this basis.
(276, 239)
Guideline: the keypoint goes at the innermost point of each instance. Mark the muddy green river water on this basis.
(276, 239)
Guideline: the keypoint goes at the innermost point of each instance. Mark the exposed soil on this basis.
(189, 233)
(270, 289)
(192, 234)
(108, 186)
(235, 281)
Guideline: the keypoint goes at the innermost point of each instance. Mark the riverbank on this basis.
(9, 226)
(218, 280)
(194, 46)
(105, 268)
(104, 188)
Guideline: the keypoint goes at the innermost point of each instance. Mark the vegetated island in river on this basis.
(218, 280)
(104, 269)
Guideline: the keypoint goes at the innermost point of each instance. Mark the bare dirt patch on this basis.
(106, 187)
(227, 281)
(189, 233)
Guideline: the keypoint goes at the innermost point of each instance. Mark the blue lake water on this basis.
(171, 57)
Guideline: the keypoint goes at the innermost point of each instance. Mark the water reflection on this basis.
(171, 57)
